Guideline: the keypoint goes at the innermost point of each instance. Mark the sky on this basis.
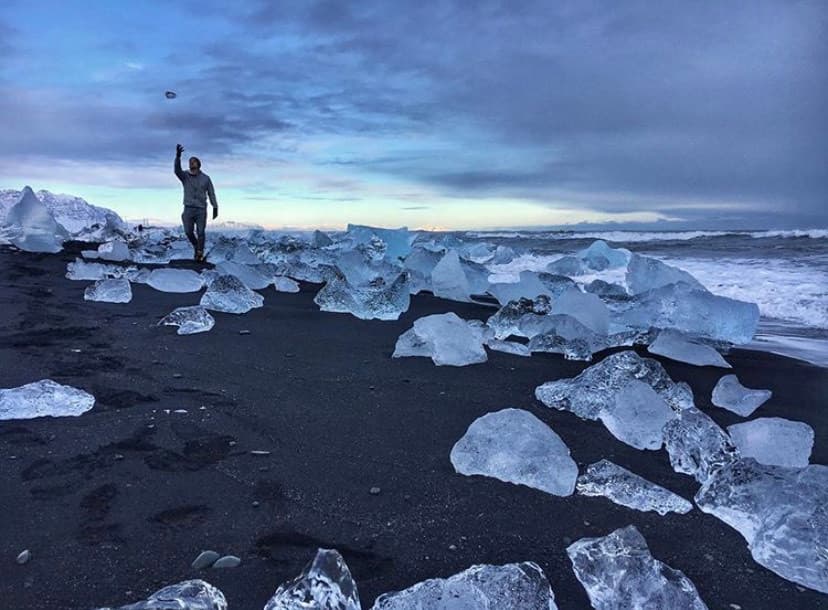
(444, 114)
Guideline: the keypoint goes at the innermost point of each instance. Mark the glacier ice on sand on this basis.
(325, 584)
(619, 573)
(228, 293)
(44, 398)
(774, 441)
(382, 298)
(250, 276)
(513, 445)
(189, 320)
(731, 395)
(645, 273)
(187, 595)
(445, 338)
(285, 284)
(675, 346)
(175, 280)
(513, 586)
(109, 291)
(626, 488)
(32, 227)
(456, 279)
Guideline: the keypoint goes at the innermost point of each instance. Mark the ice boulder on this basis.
(619, 573)
(227, 293)
(696, 444)
(380, 299)
(109, 291)
(395, 243)
(676, 346)
(45, 398)
(507, 320)
(514, 586)
(561, 334)
(190, 320)
(600, 256)
(781, 513)
(638, 416)
(645, 273)
(529, 286)
(731, 395)
(114, 251)
(32, 227)
(175, 280)
(445, 338)
(187, 595)
(626, 488)
(587, 308)
(285, 284)
(324, 584)
(774, 441)
(513, 445)
(456, 279)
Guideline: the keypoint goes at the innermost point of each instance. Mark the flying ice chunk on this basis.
(645, 273)
(187, 595)
(599, 256)
(507, 320)
(513, 445)
(324, 584)
(587, 308)
(285, 284)
(508, 347)
(675, 346)
(638, 416)
(33, 227)
(731, 395)
(626, 488)
(175, 280)
(114, 251)
(516, 586)
(693, 312)
(249, 275)
(619, 573)
(109, 291)
(445, 338)
(456, 279)
(774, 441)
(45, 398)
(781, 512)
(190, 320)
(227, 293)
(380, 299)
(696, 444)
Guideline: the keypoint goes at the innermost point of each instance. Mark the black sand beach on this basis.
(116, 503)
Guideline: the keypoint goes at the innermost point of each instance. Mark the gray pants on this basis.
(195, 220)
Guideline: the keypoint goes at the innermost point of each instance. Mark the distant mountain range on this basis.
(74, 213)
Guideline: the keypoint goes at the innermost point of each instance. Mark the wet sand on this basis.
(117, 503)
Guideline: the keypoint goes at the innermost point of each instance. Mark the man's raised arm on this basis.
(177, 165)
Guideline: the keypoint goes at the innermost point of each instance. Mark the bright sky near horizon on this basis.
(444, 114)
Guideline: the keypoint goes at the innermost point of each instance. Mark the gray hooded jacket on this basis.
(197, 187)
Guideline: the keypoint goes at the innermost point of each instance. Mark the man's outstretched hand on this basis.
(215, 212)
(178, 150)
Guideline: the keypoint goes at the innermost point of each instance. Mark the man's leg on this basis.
(188, 220)
(201, 224)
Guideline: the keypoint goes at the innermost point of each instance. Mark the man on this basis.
(197, 187)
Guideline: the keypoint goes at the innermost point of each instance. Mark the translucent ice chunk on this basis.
(619, 573)
(44, 398)
(446, 338)
(675, 346)
(514, 586)
(508, 347)
(249, 275)
(33, 227)
(645, 273)
(187, 595)
(529, 286)
(115, 250)
(513, 445)
(324, 584)
(561, 334)
(638, 416)
(568, 265)
(587, 308)
(377, 300)
(626, 488)
(227, 293)
(599, 256)
(396, 242)
(285, 284)
(696, 444)
(781, 512)
(774, 441)
(109, 291)
(190, 320)
(420, 263)
(175, 280)
(231, 249)
(507, 320)
(320, 239)
(81, 270)
(456, 279)
(606, 289)
(731, 395)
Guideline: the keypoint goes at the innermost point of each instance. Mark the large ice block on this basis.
(109, 291)
(585, 307)
(248, 274)
(445, 338)
(514, 586)
(638, 416)
(600, 256)
(187, 595)
(115, 251)
(379, 299)
(781, 512)
(507, 320)
(561, 334)
(513, 445)
(619, 573)
(696, 444)
(676, 346)
(645, 273)
(175, 280)
(456, 279)
(227, 293)
(190, 320)
(626, 488)
(774, 441)
(32, 227)
(396, 243)
(731, 395)
(529, 286)
(44, 398)
(420, 263)
(324, 584)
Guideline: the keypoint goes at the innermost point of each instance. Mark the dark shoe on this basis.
(199, 256)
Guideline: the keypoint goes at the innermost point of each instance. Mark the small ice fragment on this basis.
(513, 586)
(190, 320)
(508, 347)
(626, 488)
(619, 573)
(115, 250)
(774, 441)
(109, 291)
(227, 293)
(324, 584)
(674, 345)
(285, 284)
(446, 338)
(731, 395)
(513, 445)
(187, 595)
(44, 398)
